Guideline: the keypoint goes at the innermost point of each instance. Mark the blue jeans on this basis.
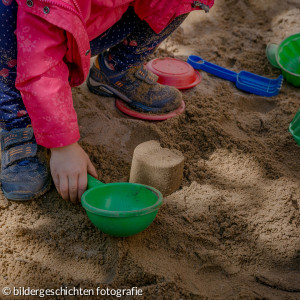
(129, 41)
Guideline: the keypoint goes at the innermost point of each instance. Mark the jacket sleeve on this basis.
(42, 79)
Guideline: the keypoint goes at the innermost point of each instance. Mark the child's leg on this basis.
(120, 70)
(24, 173)
(138, 45)
(131, 40)
(12, 110)
(117, 33)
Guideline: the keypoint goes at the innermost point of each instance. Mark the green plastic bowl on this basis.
(286, 57)
(121, 209)
(294, 127)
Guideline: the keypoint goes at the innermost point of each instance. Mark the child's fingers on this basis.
(82, 183)
(64, 187)
(56, 182)
(91, 169)
(73, 187)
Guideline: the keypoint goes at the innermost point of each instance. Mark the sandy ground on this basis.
(232, 230)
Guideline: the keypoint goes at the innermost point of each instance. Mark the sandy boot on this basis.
(24, 171)
(137, 86)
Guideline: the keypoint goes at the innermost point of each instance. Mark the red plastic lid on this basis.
(121, 105)
(174, 72)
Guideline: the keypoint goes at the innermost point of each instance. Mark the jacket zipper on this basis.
(201, 5)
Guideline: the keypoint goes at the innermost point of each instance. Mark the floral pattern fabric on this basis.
(12, 110)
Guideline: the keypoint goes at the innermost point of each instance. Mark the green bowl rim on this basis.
(120, 214)
(279, 46)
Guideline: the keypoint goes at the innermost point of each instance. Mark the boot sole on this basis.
(100, 91)
(19, 197)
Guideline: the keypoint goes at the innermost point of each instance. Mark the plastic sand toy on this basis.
(174, 72)
(243, 80)
(124, 108)
(295, 127)
(286, 57)
(121, 209)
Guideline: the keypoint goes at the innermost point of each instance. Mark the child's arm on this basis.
(43, 82)
(42, 78)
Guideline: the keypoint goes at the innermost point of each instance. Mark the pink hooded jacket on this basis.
(54, 54)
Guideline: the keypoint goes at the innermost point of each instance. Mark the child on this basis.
(52, 46)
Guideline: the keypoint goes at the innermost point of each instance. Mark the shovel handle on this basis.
(271, 52)
(92, 182)
(199, 63)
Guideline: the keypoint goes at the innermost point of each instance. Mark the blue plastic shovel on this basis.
(243, 80)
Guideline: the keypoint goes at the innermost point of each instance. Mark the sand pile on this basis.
(232, 230)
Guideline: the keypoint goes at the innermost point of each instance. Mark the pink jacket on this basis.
(54, 54)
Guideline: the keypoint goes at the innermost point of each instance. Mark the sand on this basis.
(232, 229)
(161, 168)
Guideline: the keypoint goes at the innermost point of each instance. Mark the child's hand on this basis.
(69, 166)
